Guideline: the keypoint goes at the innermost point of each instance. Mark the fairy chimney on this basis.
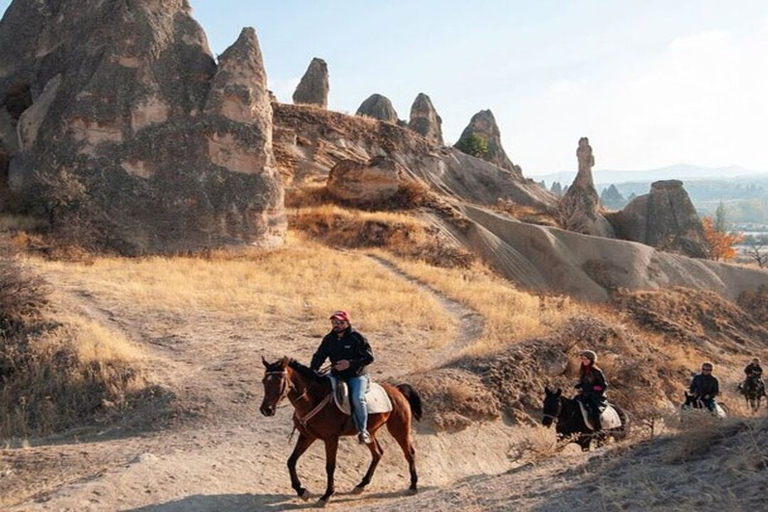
(424, 120)
(167, 150)
(313, 88)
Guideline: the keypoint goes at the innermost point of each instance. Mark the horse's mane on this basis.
(302, 370)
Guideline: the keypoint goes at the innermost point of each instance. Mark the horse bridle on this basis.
(554, 418)
(286, 385)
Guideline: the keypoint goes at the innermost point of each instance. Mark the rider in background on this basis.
(705, 386)
(755, 371)
(349, 353)
(592, 387)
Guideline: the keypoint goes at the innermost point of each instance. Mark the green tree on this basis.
(721, 218)
(473, 145)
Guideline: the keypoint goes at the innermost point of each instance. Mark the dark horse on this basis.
(316, 417)
(565, 413)
(694, 402)
(753, 391)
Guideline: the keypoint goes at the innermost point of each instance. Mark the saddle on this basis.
(376, 398)
(609, 418)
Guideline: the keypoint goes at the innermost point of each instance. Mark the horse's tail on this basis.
(414, 400)
(623, 431)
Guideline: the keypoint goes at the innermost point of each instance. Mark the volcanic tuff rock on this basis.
(313, 87)
(375, 181)
(312, 141)
(665, 218)
(483, 125)
(580, 206)
(424, 120)
(127, 105)
(378, 107)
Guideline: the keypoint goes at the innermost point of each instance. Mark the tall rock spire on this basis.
(424, 119)
(314, 87)
(483, 127)
(126, 104)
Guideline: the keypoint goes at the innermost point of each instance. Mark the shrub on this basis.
(473, 145)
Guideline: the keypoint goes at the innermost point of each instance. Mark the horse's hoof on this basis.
(412, 491)
(304, 494)
(358, 490)
(321, 503)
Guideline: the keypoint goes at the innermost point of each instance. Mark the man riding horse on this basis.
(706, 387)
(349, 353)
(754, 380)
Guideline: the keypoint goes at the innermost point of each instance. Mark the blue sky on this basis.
(650, 82)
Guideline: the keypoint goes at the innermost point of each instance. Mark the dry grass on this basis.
(401, 234)
(304, 281)
(510, 315)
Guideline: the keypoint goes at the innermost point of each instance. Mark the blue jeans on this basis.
(709, 403)
(357, 388)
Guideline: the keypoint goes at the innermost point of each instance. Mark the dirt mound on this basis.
(701, 318)
(644, 375)
(756, 304)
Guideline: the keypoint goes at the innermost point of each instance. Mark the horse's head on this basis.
(552, 406)
(276, 385)
(691, 402)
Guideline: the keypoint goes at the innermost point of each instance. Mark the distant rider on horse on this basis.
(349, 353)
(705, 386)
(592, 387)
(754, 373)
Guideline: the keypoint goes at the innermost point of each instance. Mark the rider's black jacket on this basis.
(348, 344)
(592, 384)
(705, 385)
(754, 369)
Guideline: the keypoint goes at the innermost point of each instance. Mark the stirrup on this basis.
(364, 438)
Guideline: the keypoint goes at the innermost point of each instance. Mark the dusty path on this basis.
(471, 323)
(216, 452)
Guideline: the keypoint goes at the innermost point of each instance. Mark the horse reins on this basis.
(286, 385)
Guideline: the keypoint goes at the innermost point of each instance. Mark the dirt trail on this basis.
(220, 453)
(471, 323)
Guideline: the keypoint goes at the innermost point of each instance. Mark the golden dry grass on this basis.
(510, 315)
(303, 281)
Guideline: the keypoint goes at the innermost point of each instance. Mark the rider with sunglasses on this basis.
(705, 386)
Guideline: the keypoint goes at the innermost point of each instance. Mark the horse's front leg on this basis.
(302, 444)
(331, 448)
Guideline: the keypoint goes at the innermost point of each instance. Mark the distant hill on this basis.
(679, 172)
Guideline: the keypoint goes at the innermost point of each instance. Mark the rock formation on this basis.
(424, 120)
(483, 127)
(310, 142)
(378, 180)
(665, 218)
(126, 105)
(580, 206)
(378, 107)
(313, 87)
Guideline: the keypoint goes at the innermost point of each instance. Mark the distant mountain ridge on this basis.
(678, 171)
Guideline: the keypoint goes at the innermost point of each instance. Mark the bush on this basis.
(473, 145)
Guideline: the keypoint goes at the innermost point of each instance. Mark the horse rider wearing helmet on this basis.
(349, 353)
(705, 386)
(592, 387)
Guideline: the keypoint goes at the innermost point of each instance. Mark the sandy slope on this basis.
(217, 453)
(220, 453)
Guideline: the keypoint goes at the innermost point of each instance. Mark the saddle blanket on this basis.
(376, 397)
(609, 418)
(719, 411)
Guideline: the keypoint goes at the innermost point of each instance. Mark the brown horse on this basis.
(316, 417)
